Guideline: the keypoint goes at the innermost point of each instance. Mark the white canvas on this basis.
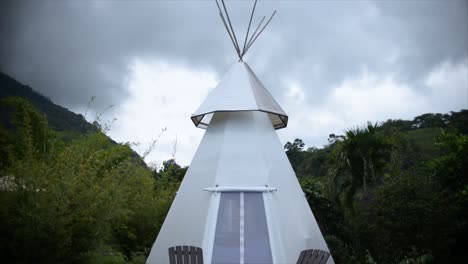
(240, 191)
(240, 90)
(240, 150)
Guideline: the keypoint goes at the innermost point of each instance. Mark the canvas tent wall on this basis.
(240, 200)
(240, 90)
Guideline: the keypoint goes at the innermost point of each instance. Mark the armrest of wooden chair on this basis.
(313, 256)
(185, 255)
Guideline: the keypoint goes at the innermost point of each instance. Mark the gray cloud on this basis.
(72, 50)
(325, 43)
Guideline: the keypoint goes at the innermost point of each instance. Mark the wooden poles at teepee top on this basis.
(248, 42)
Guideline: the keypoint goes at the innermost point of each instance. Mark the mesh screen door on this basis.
(241, 230)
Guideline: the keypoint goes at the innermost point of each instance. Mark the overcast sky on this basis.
(331, 65)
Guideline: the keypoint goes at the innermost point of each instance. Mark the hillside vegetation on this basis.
(394, 192)
(68, 193)
(83, 201)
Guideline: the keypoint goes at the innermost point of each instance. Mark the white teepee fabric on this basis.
(240, 200)
(240, 90)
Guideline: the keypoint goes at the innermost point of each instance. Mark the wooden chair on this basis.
(185, 255)
(313, 256)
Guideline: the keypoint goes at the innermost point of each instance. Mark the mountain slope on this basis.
(59, 118)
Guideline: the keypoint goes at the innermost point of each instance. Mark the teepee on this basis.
(240, 200)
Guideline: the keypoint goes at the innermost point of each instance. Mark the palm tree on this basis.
(359, 159)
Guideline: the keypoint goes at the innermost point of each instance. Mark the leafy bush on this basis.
(64, 201)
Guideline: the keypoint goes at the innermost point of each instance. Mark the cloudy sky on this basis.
(331, 65)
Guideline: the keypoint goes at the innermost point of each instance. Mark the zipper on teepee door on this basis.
(241, 227)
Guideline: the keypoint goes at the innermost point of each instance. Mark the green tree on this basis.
(294, 151)
(358, 159)
(171, 169)
(450, 172)
(406, 214)
(419, 216)
(31, 138)
(87, 201)
(458, 121)
(431, 120)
